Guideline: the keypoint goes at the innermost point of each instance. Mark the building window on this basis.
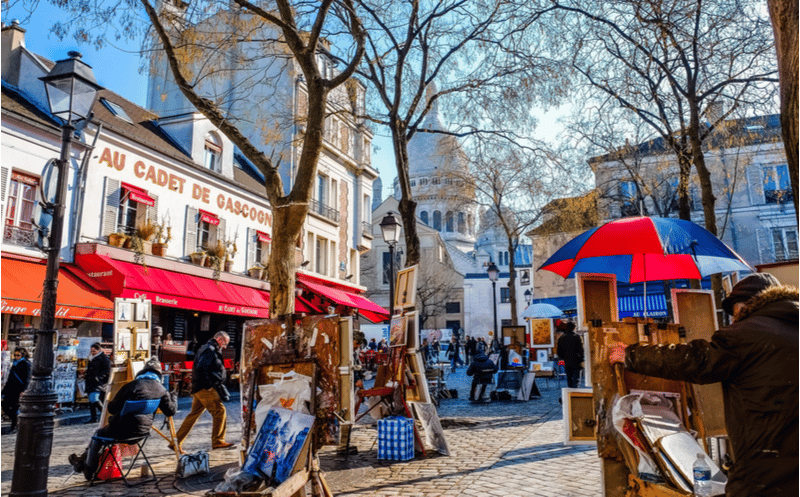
(462, 224)
(423, 216)
(435, 180)
(413, 182)
(784, 241)
(19, 211)
(386, 261)
(423, 181)
(452, 307)
(437, 220)
(322, 255)
(449, 222)
(213, 153)
(206, 230)
(777, 189)
(505, 295)
(262, 248)
(628, 198)
(127, 214)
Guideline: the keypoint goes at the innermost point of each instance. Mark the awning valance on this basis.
(263, 237)
(173, 289)
(138, 194)
(366, 307)
(209, 217)
(23, 281)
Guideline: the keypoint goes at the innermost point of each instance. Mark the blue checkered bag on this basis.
(396, 438)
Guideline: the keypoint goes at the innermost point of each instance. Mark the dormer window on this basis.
(213, 153)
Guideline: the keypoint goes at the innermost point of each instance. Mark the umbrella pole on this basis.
(645, 298)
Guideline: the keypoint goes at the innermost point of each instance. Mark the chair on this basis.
(561, 372)
(106, 443)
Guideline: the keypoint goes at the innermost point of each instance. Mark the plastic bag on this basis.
(238, 481)
(292, 392)
(110, 469)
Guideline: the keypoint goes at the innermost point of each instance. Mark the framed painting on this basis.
(143, 311)
(578, 409)
(405, 295)
(397, 331)
(541, 332)
(596, 299)
(425, 414)
(123, 311)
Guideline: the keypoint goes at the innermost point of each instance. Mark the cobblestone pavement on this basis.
(498, 449)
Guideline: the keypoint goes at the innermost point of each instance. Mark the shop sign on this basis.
(165, 179)
(34, 309)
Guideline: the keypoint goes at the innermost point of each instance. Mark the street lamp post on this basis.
(528, 297)
(71, 90)
(390, 229)
(493, 274)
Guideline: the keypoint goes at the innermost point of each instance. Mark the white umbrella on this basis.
(535, 311)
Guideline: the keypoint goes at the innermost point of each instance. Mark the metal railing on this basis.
(366, 228)
(16, 235)
(323, 210)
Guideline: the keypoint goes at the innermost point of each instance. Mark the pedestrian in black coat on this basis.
(96, 378)
(18, 378)
(470, 349)
(146, 386)
(570, 350)
(482, 371)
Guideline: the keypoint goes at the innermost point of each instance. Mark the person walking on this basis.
(756, 360)
(480, 346)
(454, 355)
(469, 349)
(570, 349)
(482, 371)
(209, 392)
(98, 371)
(18, 378)
(146, 386)
(436, 349)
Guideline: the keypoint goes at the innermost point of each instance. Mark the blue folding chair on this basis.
(130, 407)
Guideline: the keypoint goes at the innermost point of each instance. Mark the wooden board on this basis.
(579, 416)
(597, 298)
(695, 310)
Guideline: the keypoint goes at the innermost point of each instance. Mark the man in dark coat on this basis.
(470, 348)
(146, 386)
(96, 378)
(209, 391)
(756, 359)
(18, 378)
(482, 371)
(570, 350)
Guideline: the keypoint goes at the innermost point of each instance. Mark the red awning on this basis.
(366, 307)
(22, 292)
(263, 237)
(209, 217)
(138, 194)
(173, 289)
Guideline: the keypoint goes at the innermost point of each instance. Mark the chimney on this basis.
(13, 38)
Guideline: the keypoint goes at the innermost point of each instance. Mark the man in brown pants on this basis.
(209, 391)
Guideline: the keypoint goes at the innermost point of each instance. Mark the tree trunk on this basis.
(407, 205)
(784, 15)
(282, 262)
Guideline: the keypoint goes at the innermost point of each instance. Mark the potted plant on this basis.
(199, 258)
(230, 250)
(163, 236)
(256, 271)
(141, 241)
(117, 239)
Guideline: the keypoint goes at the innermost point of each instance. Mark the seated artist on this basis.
(146, 386)
(482, 371)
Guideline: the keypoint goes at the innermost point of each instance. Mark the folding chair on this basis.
(106, 443)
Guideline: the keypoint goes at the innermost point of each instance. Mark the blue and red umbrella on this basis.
(646, 249)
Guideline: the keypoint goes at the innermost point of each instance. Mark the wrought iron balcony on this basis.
(323, 210)
(16, 235)
(366, 229)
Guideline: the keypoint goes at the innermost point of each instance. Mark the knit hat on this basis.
(152, 366)
(748, 288)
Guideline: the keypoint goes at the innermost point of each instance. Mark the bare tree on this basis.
(437, 284)
(420, 52)
(674, 64)
(205, 43)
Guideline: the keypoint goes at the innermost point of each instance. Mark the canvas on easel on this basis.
(596, 298)
(696, 312)
(397, 332)
(405, 295)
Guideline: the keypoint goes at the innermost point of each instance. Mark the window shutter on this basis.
(755, 182)
(765, 249)
(221, 230)
(190, 239)
(152, 212)
(252, 239)
(3, 184)
(111, 207)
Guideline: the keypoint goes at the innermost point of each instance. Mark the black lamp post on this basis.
(493, 274)
(71, 90)
(528, 297)
(390, 229)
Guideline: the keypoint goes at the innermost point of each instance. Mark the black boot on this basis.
(78, 462)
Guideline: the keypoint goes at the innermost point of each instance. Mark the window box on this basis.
(117, 239)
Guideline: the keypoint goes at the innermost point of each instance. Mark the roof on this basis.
(13, 100)
(746, 131)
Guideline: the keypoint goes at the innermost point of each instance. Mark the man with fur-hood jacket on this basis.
(146, 386)
(756, 360)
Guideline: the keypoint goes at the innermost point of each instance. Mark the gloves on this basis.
(222, 390)
(616, 353)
